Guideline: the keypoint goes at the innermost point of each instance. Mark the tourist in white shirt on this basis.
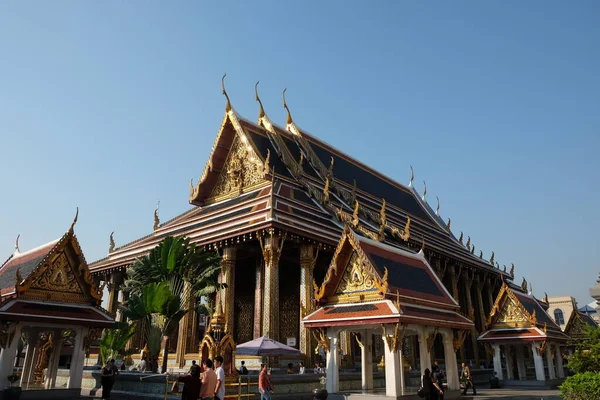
(301, 368)
(220, 389)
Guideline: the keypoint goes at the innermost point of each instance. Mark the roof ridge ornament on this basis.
(228, 105)
(261, 112)
(468, 243)
(289, 119)
(481, 254)
(355, 219)
(111, 242)
(492, 258)
(330, 169)
(422, 244)
(156, 219)
(71, 229)
(424, 191)
(17, 250)
(448, 225)
(412, 176)
(382, 220)
(460, 239)
(512, 271)
(473, 249)
(437, 210)
(524, 285)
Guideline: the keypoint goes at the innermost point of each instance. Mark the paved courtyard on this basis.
(515, 394)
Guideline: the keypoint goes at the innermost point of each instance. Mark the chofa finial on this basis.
(437, 209)
(111, 247)
(460, 239)
(412, 176)
(289, 119)
(492, 259)
(74, 220)
(156, 219)
(422, 244)
(468, 243)
(424, 191)
(228, 105)
(512, 271)
(448, 224)
(17, 244)
(261, 112)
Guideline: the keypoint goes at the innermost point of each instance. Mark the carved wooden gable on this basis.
(243, 170)
(356, 277)
(62, 276)
(512, 314)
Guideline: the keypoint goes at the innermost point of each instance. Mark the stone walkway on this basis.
(514, 394)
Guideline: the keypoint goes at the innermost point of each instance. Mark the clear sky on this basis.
(113, 105)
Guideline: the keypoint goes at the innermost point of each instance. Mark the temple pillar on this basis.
(271, 249)
(77, 361)
(185, 328)
(228, 274)
(52, 369)
(450, 360)
(538, 362)
(424, 353)
(509, 363)
(394, 375)
(30, 356)
(522, 371)
(307, 265)
(366, 359)
(333, 362)
(7, 357)
(559, 362)
(114, 285)
(550, 362)
(258, 300)
(470, 306)
(497, 361)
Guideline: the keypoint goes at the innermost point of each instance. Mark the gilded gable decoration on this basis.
(404, 234)
(242, 169)
(382, 221)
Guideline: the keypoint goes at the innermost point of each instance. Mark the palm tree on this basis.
(164, 284)
(114, 342)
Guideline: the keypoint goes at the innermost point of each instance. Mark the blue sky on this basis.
(111, 106)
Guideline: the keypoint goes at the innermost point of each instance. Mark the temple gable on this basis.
(512, 314)
(242, 170)
(356, 278)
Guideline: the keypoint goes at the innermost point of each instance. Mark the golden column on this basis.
(468, 284)
(271, 249)
(228, 278)
(308, 259)
(258, 300)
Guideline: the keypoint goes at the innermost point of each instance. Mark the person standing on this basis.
(431, 390)
(302, 369)
(243, 369)
(194, 369)
(107, 380)
(220, 389)
(209, 381)
(264, 384)
(465, 375)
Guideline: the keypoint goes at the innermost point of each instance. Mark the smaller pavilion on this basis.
(520, 327)
(49, 299)
(372, 290)
(575, 327)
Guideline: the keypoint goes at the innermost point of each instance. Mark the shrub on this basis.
(583, 386)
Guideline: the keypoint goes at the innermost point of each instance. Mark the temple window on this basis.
(559, 316)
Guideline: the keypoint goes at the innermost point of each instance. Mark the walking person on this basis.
(220, 389)
(264, 384)
(107, 380)
(465, 376)
(431, 390)
(209, 381)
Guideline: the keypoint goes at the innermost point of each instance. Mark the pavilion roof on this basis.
(578, 321)
(369, 281)
(519, 316)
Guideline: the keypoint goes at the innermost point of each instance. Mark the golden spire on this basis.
(261, 112)
(460, 239)
(17, 244)
(228, 105)
(469, 243)
(355, 219)
(424, 191)
(289, 114)
(437, 210)
(156, 219)
(74, 221)
(448, 225)
(111, 247)
(412, 176)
